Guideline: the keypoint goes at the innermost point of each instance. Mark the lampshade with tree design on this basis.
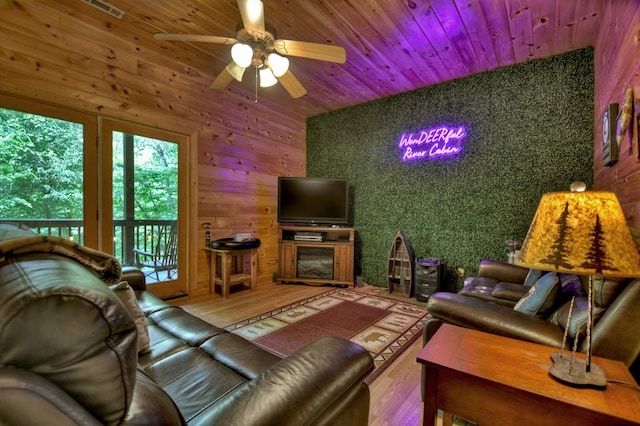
(583, 233)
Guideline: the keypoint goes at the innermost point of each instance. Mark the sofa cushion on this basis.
(541, 296)
(151, 405)
(193, 380)
(128, 298)
(239, 355)
(193, 330)
(509, 291)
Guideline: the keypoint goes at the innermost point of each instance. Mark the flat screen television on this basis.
(313, 201)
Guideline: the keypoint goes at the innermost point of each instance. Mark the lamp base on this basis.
(576, 374)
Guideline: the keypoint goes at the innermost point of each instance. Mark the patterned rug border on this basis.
(384, 357)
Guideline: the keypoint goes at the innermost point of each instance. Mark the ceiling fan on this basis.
(255, 44)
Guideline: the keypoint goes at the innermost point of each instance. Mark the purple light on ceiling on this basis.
(436, 142)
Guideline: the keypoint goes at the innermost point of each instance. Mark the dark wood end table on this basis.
(490, 380)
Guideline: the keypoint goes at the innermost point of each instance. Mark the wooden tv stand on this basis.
(315, 255)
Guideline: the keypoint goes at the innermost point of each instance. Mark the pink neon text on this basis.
(437, 142)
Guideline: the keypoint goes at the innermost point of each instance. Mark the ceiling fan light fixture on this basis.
(278, 64)
(242, 54)
(267, 79)
(235, 70)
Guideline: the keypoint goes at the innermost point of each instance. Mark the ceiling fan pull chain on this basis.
(257, 82)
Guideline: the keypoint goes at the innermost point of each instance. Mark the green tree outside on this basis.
(41, 165)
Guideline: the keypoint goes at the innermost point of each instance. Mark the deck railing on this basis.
(139, 234)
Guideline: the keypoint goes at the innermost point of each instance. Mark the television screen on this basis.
(313, 201)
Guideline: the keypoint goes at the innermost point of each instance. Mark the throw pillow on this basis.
(541, 296)
(128, 298)
(570, 286)
(533, 276)
(577, 323)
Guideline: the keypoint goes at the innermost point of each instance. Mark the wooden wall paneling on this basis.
(458, 36)
(497, 20)
(436, 35)
(618, 67)
(520, 20)
(376, 34)
(411, 40)
(542, 14)
(589, 18)
(369, 53)
(196, 17)
(78, 71)
(254, 163)
(566, 24)
(476, 26)
(403, 48)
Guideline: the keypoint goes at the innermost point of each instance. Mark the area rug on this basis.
(382, 326)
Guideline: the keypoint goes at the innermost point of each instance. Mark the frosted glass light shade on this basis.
(242, 54)
(267, 79)
(278, 64)
(235, 70)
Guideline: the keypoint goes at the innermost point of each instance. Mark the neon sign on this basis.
(431, 143)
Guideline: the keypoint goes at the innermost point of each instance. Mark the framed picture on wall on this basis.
(609, 142)
(625, 118)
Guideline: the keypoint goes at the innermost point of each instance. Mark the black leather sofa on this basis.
(70, 356)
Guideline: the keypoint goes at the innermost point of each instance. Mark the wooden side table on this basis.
(232, 268)
(489, 379)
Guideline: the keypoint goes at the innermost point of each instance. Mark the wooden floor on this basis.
(395, 394)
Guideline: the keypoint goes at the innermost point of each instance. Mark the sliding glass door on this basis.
(47, 171)
(146, 221)
(122, 191)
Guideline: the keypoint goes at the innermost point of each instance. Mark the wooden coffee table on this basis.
(490, 380)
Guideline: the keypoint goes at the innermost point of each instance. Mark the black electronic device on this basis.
(313, 201)
(428, 275)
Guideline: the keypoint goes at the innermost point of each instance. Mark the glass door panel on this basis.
(42, 166)
(145, 204)
(145, 186)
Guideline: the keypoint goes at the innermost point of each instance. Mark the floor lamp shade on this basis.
(584, 233)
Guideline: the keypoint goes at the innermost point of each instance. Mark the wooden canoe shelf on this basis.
(400, 266)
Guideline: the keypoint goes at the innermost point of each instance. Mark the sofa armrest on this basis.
(322, 380)
(502, 271)
(28, 398)
(479, 315)
(135, 277)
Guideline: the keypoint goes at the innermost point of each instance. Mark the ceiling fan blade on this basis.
(303, 49)
(222, 80)
(195, 37)
(252, 12)
(292, 85)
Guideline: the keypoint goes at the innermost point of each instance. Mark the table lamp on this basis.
(583, 233)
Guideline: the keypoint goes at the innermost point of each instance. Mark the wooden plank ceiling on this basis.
(392, 46)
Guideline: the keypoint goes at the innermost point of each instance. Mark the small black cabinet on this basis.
(428, 275)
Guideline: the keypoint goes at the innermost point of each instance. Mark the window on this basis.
(124, 195)
(45, 181)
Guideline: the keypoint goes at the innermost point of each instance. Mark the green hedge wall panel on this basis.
(529, 131)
